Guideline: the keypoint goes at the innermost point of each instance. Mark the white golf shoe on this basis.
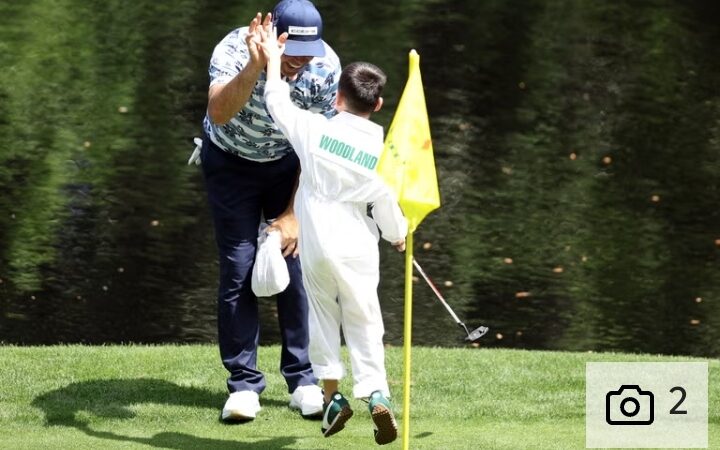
(309, 400)
(242, 405)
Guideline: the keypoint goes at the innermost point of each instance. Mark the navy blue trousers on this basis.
(239, 190)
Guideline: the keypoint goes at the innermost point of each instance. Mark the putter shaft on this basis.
(471, 336)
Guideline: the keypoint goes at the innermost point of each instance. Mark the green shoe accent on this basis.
(376, 398)
(384, 424)
(335, 414)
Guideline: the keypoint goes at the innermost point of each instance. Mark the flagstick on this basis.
(407, 165)
(408, 340)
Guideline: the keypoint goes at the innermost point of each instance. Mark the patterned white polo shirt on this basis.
(252, 134)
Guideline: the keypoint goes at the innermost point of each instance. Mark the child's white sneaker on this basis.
(309, 400)
(241, 405)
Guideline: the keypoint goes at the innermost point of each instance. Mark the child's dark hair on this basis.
(362, 83)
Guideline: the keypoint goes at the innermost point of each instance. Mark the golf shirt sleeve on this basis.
(328, 92)
(229, 57)
(321, 77)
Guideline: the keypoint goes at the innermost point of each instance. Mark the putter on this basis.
(473, 336)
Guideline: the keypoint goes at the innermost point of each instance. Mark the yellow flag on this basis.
(407, 164)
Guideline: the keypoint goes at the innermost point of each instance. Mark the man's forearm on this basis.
(225, 100)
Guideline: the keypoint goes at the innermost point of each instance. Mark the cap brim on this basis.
(304, 48)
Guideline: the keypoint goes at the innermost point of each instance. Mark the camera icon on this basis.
(629, 405)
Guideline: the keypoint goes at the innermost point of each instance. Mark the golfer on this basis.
(250, 172)
(338, 241)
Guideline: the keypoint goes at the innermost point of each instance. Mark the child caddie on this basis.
(338, 241)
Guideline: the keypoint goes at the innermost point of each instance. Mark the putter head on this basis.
(476, 334)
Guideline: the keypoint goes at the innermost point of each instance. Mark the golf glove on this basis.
(195, 157)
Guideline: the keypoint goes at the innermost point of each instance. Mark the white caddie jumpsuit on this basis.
(338, 241)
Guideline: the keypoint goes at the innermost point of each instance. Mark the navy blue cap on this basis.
(302, 21)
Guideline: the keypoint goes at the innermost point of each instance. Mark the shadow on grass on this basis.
(112, 398)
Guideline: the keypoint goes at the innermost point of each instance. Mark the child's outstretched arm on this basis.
(391, 221)
(292, 120)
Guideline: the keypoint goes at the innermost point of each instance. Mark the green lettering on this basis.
(324, 142)
(366, 160)
(359, 157)
(348, 152)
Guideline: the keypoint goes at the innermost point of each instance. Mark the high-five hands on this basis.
(262, 39)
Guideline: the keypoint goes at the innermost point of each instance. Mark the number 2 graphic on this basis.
(683, 394)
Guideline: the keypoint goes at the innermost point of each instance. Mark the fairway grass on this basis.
(107, 397)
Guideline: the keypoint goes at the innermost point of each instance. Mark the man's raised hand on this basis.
(252, 40)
